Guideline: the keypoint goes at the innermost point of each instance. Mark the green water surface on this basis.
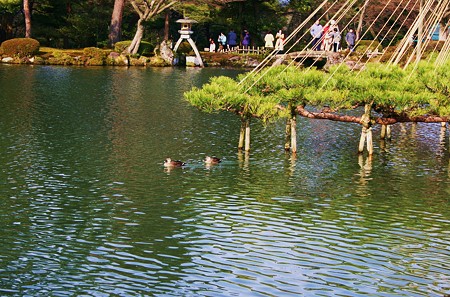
(87, 208)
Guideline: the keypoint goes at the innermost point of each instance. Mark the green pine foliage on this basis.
(275, 92)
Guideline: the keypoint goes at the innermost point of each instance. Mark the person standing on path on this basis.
(212, 45)
(350, 38)
(246, 39)
(336, 40)
(268, 39)
(279, 45)
(316, 33)
(222, 40)
(232, 40)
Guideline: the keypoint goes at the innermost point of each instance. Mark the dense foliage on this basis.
(394, 93)
(20, 47)
(84, 23)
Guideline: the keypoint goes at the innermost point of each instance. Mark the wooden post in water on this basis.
(287, 142)
(362, 140)
(383, 132)
(369, 141)
(366, 134)
(247, 135)
(443, 133)
(294, 134)
(241, 135)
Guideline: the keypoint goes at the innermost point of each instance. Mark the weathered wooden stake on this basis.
(366, 134)
(247, 135)
(243, 158)
(443, 133)
(294, 134)
(383, 131)
(362, 140)
(287, 142)
(369, 141)
(241, 135)
(388, 132)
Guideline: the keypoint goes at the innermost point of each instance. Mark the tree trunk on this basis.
(166, 25)
(146, 9)
(27, 15)
(399, 118)
(134, 46)
(361, 18)
(420, 36)
(443, 30)
(116, 22)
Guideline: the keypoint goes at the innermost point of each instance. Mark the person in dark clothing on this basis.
(350, 38)
(232, 40)
(246, 39)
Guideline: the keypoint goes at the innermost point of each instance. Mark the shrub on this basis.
(21, 47)
(145, 48)
(61, 58)
(94, 56)
(94, 52)
(121, 46)
(368, 45)
(185, 48)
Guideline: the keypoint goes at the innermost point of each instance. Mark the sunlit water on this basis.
(87, 208)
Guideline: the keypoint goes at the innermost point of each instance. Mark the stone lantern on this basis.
(185, 33)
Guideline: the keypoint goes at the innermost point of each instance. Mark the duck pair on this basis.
(176, 163)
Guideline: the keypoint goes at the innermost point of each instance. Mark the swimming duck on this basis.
(172, 163)
(212, 160)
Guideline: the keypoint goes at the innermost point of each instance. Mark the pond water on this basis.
(87, 208)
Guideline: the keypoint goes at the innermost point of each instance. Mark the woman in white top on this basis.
(280, 40)
(269, 40)
(212, 45)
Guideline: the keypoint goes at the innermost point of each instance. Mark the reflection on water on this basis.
(88, 209)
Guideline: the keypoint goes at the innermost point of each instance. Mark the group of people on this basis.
(228, 42)
(269, 39)
(328, 37)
